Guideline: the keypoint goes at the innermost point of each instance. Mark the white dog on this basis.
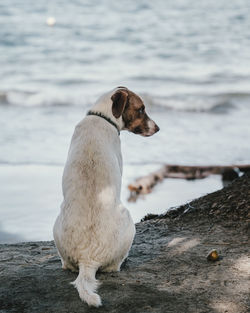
(94, 230)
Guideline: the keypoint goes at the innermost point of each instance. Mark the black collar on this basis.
(106, 118)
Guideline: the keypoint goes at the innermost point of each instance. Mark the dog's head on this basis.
(130, 107)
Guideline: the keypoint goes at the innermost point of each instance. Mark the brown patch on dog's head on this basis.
(133, 112)
(119, 99)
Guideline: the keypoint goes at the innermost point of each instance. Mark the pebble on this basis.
(213, 255)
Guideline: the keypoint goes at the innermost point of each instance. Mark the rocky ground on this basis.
(167, 269)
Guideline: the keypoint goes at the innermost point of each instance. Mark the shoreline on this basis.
(36, 214)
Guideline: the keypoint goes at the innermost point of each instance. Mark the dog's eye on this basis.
(141, 110)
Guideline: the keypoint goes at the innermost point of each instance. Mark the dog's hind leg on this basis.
(64, 263)
(111, 268)
(114, 266)
(86, 285)
(68, 266)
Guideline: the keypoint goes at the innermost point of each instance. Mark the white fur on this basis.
(93, 230)
(151, 128)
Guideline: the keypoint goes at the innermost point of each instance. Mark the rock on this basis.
(165, 272)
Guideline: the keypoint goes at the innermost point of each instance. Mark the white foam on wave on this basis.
(217, 103)
(40, 99)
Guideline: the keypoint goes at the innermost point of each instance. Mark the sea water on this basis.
(189, 60)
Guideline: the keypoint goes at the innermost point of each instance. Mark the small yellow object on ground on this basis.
(213, 255)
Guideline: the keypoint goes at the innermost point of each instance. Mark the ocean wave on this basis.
(34, 99)
(215, 103)
(197, 105)
(218, 103)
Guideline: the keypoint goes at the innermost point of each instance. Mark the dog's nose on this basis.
(157, 128)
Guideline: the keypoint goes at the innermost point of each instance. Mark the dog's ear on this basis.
(119, 101)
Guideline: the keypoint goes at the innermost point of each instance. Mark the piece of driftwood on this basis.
(145, 184)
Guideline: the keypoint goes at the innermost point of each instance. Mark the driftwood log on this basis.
(145, 184)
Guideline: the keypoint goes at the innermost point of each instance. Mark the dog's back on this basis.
(94, 164)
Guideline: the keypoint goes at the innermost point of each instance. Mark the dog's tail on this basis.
(86, 284)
